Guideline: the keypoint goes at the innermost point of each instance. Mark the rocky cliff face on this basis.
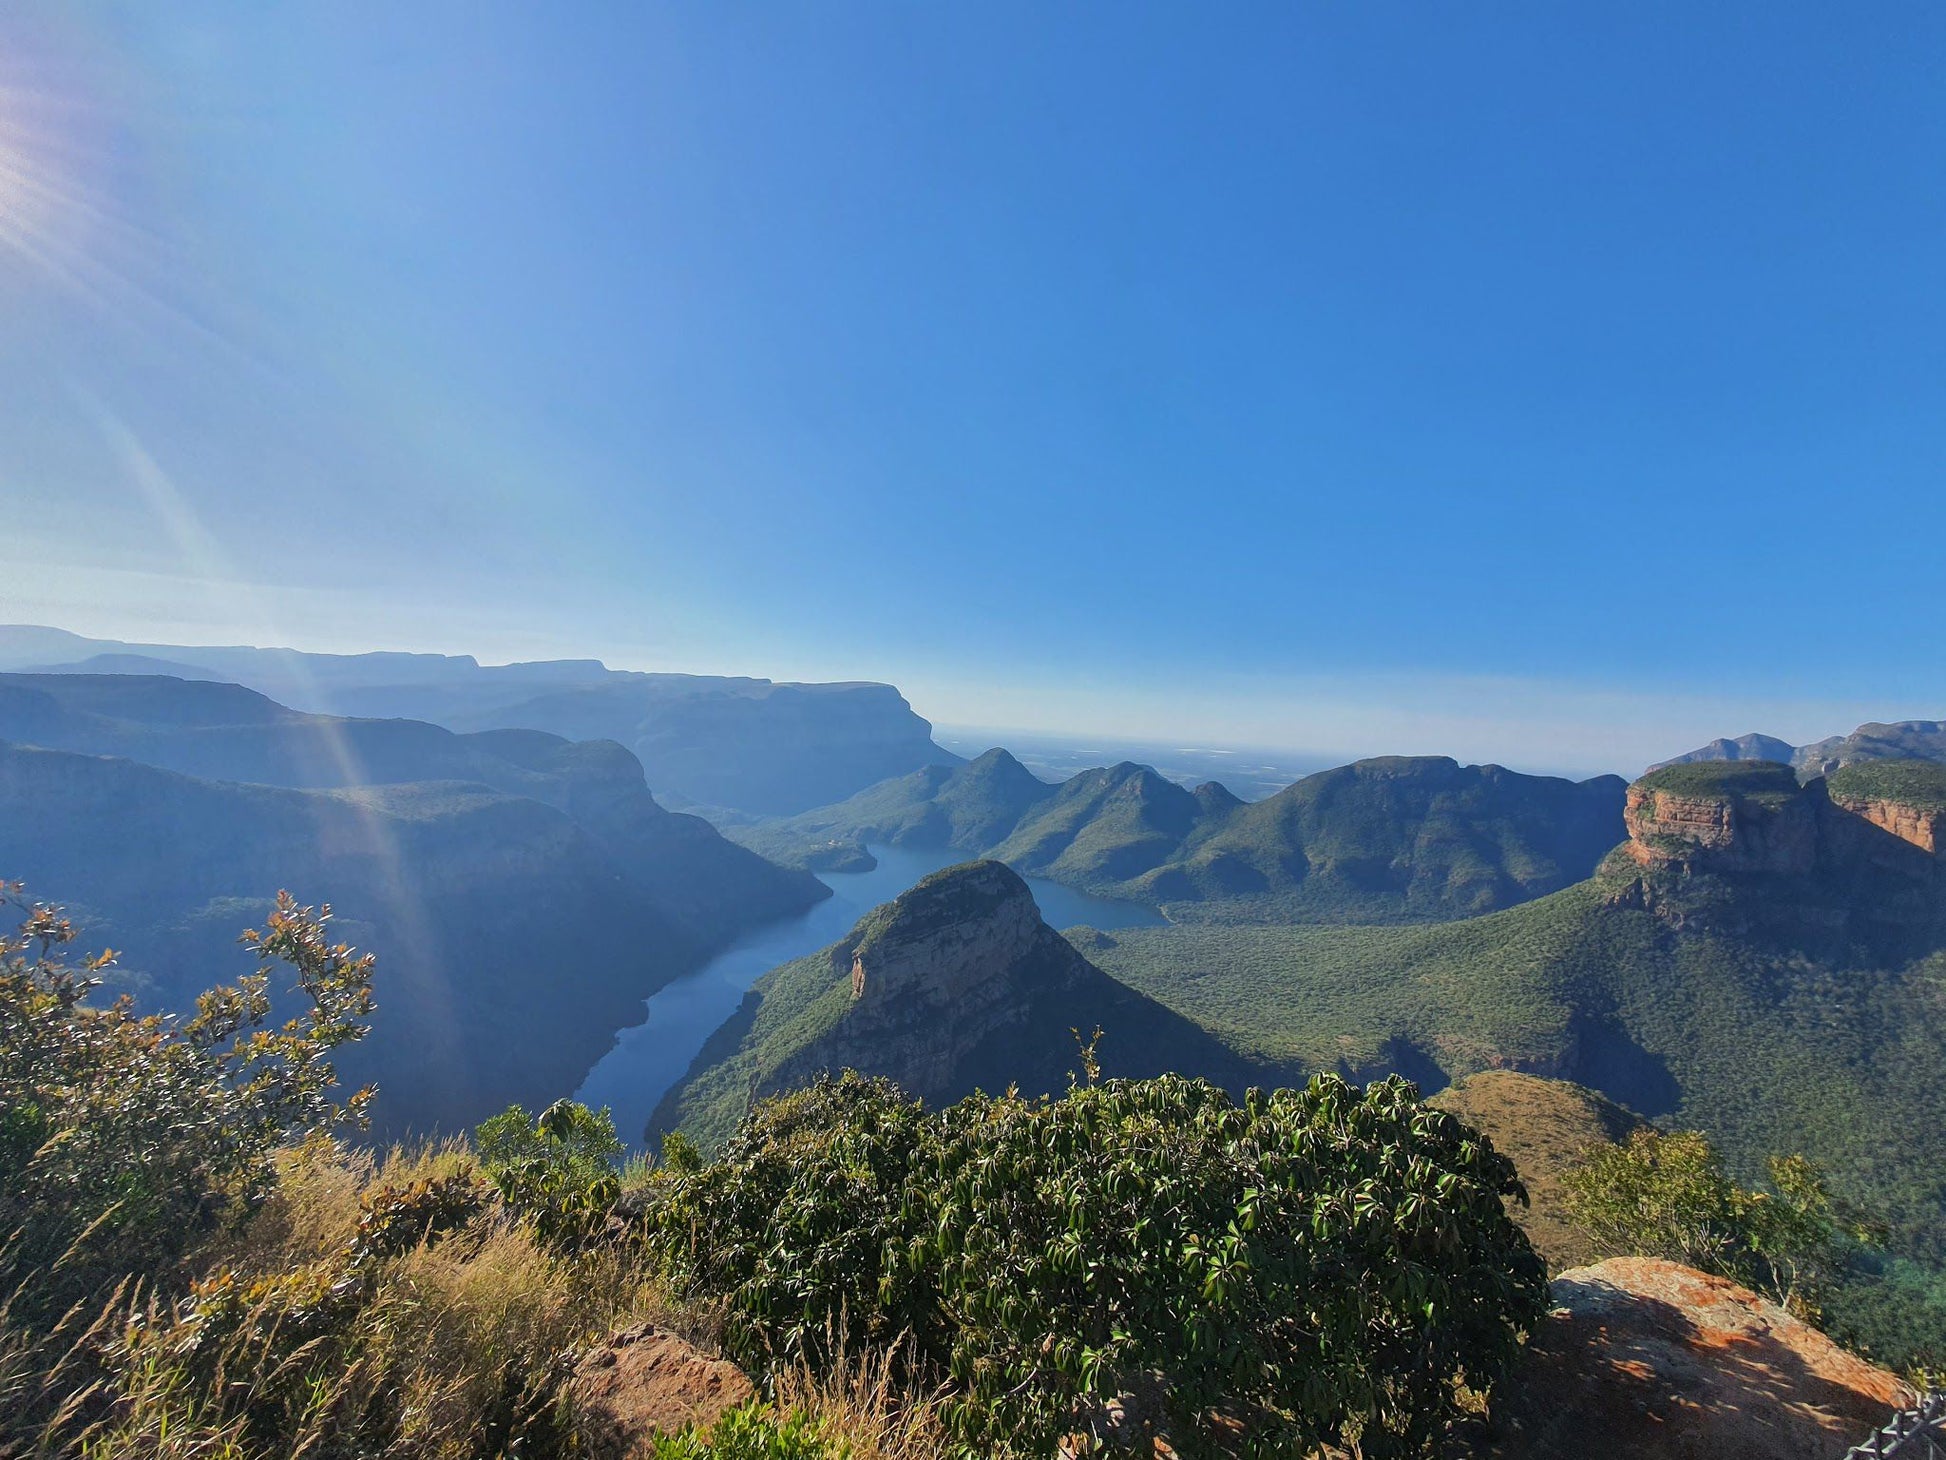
(1925, 828)
(750, 744)
(1833, 866)
(1725, 816)
(1906, 798)
(1757, 818)
(938, 975)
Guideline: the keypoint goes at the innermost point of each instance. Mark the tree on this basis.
(557, 1169)
(124, 1137)
(1667, 1195)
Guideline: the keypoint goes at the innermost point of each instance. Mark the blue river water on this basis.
(651, 1056)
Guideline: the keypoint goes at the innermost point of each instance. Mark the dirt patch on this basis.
(646, 1381)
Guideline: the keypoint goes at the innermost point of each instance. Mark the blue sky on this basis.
(1552, 384)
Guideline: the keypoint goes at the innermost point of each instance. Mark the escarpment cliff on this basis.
(1853, 858)
(1728, 816)
(1906, 798)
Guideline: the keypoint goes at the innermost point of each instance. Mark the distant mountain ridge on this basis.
(1388, 839)
(524, 892)
(216, 731)
(1901, 740)
(748, 745)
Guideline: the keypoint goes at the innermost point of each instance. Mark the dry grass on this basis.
(1546, 1127)
(452, 1350)
(860, 1403)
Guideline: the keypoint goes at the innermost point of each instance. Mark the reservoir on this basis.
(651, 1056)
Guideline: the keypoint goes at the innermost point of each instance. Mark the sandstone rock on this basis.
(1924, 827)
(1649, 1360)
(1727, 831)
(643, 1382)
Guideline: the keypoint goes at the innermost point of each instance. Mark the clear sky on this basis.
(1558, 384)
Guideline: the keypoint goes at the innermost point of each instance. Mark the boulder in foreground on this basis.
(1643, 1359)
(645, 1381)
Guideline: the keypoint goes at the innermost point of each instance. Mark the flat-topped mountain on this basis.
(954, 986)
(1903, 740)
(1840, 864)
(750, 745)
(1390, 839)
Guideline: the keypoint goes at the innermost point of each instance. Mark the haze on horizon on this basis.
(1561, 389)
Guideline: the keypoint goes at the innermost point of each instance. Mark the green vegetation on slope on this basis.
(1466, 993)
(964, 988)
(1310, 1264)
(1386, 840)
(1547, 1128)
(1762, 781)
(1315, 1265)
(786, 1011)
(1920, 784)
(1763, 1046)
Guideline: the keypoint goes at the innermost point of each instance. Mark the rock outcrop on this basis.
(644, 1382)
(953, 968)
(1830, 866)
(1906, 798)
(1642, 1359)
(1723, 816)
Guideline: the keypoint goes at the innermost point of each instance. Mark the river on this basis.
(651, 1056)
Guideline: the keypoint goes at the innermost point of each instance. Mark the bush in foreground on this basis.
(1668, 1195)
(1299, 1268)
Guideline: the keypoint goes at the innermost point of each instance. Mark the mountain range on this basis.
(750, 746)
(525, 892)
(1760, 958)
(1385, 840)
(1903, 740)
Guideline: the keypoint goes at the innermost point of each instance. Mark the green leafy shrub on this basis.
(1311, 1265)
(124, 1137)
(557, 1170)
(750, 1433)
(1667, 1195)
